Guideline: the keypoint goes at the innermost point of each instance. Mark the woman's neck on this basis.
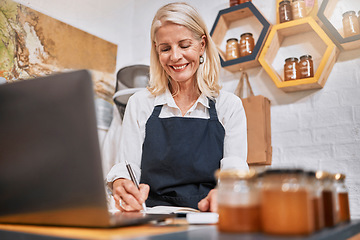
(186, 95)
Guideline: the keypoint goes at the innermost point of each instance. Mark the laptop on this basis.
(50, 162)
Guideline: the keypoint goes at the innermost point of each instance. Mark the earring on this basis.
(201, 60)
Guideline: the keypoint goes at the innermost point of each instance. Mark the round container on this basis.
(298, 8)
(286, 207)
(350, 24)
(329, 198)
(234, 2)
(238, 201)
(285, 14)
(291, 69)
(316, 199)
(343, 197)
(232, 49)
(306, 66)
(247, 44)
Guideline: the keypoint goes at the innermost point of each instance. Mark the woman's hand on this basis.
(209, 204)
(127, 196)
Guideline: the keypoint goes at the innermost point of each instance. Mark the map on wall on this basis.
(33, 44)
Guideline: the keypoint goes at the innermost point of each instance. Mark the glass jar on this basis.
(343, 197)
(234, 2)
(306, 66)
(232, 49)
(329, 198)
(238, 201)
(316, 199)
(286, 207)
(291, 69)
(247, 44)
(285, 14)
(298, 8)
(350, 24)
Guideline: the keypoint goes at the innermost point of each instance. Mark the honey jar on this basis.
(244, 1)
(233, 2)
(285, 14)
(298, 8)
(238, 201)
(286, 207)
(329, 198)
(306, 66)
(343, 198)
(350, 24)
(247, 44)
(291, 69)
(232, 49)
(316, 199)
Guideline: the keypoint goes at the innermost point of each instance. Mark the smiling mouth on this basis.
(179, 67)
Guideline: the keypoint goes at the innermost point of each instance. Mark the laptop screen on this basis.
(50, 164)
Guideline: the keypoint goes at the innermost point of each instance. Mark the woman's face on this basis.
(179, 51)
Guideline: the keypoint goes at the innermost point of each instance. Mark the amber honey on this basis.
(287, 213)
(239, 218)
(344, 209)
(318, 213)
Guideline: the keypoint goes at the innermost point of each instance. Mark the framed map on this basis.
(33, 44)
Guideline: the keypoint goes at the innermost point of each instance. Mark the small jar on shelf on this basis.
(298, 8)
(285, 13)
(306, 66)
(350, 24)
(291, 69)
(232, 49)
(247, 44)
(233, 3)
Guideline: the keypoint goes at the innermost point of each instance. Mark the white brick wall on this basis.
(318, 129)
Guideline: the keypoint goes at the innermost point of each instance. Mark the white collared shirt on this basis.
(140, 106)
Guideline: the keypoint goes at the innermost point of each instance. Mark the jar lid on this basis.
(310, 173)
(291, 59)
(348, 13)
(232, 39)
(305, 56)
(339, 176)
(322, 175)
(235, 174)
(244, 34)
(284, 1)
(284, 171)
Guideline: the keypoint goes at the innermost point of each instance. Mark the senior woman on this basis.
(182, 128)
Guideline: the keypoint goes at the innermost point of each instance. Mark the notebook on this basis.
(50, 162)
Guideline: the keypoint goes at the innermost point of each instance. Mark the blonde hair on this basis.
(207, 75)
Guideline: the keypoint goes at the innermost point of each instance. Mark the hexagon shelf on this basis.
(330, 14)
(298, 37)
(228, 23)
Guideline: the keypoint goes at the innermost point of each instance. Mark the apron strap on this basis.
(156, 111)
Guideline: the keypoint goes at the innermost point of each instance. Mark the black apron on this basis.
(180, 156)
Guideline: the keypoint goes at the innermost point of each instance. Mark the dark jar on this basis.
(285, 14)
(234, 2)
(306, 66)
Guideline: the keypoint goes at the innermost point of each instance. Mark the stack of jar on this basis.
(295, 69)
(281, 201)
(351, 23)
(291, 11)
(235, 49)
(236, 2)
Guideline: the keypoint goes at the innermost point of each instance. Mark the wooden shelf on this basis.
(296, 28)
(326, 12)
(222, 25)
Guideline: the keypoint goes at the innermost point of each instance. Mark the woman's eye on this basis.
(185, 46)
(164, 49)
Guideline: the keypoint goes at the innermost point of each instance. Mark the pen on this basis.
(133, 178)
